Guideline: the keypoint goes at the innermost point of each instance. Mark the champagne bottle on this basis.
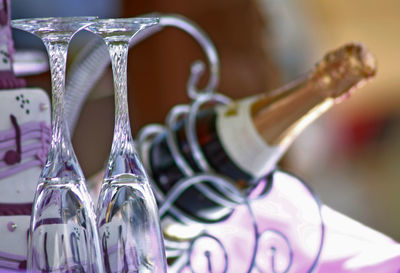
(246, 139)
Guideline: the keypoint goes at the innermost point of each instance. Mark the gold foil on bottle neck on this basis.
(281, 115)
(343, 70)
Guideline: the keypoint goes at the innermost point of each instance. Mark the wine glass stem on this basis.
(61, 156)
(58, 55)
(122, 141)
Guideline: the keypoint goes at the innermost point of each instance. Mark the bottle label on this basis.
(242, 142)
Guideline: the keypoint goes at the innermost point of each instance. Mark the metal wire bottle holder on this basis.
(219, 188)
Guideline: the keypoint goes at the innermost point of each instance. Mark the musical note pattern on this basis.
(24, 144)
(23, 147)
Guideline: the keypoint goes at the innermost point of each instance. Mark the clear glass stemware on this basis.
(127, 214)
(63, 236)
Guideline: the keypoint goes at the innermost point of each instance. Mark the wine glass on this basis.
(127, 214)
(63, 235)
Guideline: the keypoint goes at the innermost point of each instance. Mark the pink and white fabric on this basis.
(288, 230)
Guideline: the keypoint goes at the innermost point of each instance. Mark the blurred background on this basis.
(350, 156)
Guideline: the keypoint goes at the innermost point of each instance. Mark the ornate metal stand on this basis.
(276, 228)
(266, 235)
(272, 243)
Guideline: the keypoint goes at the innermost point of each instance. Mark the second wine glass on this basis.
(127, 214)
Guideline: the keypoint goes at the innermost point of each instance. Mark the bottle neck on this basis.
(280, 118)
(256, 131)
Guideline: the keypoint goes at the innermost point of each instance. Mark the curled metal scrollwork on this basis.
(93, 59)
(268, 244)
(272, 249)
(208, 254)
(252, 216)
(198, 67)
